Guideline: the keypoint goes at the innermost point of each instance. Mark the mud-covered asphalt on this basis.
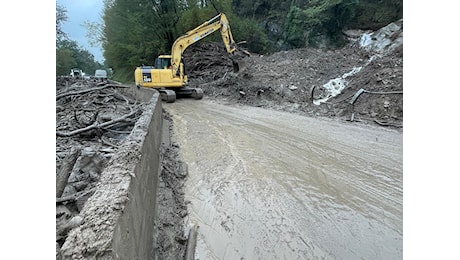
(264, 184)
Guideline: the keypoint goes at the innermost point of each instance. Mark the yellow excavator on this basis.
(169, 76)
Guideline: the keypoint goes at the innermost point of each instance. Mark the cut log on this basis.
(66, 169)
(74, 196)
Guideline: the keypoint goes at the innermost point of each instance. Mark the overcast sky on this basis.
(77, 13)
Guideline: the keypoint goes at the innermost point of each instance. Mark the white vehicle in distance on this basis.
(100, 75)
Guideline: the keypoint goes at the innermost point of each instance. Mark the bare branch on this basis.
(89, 90)
(96, 125)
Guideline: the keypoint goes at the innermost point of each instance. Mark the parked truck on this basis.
(76, 73)
(100, 75)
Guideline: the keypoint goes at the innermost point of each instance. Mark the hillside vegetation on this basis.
(135, 33)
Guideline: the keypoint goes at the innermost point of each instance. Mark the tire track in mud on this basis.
(271, 185)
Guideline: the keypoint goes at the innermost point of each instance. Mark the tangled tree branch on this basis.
(96, 125)
(89, 90)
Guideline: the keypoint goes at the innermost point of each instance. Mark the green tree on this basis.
(125, 36)
(61, 17)
(94, 33)
(68, 53)
(372, 15)
(64, 61)
(136, 32)
(318, 21)
(243, 29)
(253, 9)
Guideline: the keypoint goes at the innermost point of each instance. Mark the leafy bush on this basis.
(319, 19)
(251, 31)
(243, 29)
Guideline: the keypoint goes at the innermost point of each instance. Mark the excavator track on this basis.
(197, 93)
(168, 95)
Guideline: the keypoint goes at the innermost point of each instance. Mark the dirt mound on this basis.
(314, 82)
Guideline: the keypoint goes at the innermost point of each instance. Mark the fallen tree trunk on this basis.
(66, 169)
(191, 243)
(74, 196)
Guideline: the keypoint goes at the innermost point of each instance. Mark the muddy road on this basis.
(264, 184)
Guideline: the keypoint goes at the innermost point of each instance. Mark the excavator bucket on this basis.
(238, 66)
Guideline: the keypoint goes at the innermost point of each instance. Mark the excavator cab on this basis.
(163, 62)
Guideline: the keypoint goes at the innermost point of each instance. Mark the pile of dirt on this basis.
(360, 82)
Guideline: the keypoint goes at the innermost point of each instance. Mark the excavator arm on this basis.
(218, 22)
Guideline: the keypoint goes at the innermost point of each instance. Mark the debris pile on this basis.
(202, 61)
(92, 119)
(312, 82)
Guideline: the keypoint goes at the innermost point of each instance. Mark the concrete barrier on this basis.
(118, 220)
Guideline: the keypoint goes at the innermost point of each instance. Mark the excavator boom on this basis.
(218, 22)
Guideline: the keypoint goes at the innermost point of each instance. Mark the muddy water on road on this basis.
(271, 185)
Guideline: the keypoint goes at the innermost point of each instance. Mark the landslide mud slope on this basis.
(313, 82)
